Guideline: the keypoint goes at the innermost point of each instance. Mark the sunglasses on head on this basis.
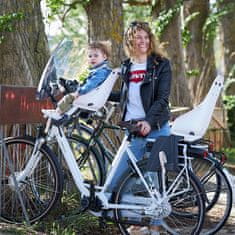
(138, 23)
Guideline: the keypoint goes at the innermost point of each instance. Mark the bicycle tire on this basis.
(40, 191)
(103, 144)
(218, 193)
(84, 130)
(179, 221)
(105, 156)
(88, 159)
(112, 145)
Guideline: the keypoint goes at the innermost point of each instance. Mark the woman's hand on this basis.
(145, 128)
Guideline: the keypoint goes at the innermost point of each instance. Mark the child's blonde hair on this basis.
(104, 46)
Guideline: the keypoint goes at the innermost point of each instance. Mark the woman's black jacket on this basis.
(154, 90)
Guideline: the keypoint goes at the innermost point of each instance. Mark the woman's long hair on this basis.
(154, 45)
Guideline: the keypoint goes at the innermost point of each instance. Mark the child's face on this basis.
(95, 57)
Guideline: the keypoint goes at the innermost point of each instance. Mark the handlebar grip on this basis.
(131, 126)
(69, 85)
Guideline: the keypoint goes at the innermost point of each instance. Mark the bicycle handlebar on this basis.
(131, 126)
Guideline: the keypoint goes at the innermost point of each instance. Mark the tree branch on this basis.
(74, 3)
(156, 9)
(70, 7)
(138, 3)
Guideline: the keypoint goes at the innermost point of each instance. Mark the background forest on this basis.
(198, 36)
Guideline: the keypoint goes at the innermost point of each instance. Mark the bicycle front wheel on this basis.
(186, 208)
(39, 191)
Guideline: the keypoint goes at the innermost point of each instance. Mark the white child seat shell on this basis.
(193, 124)
(96, 98)
(93, 100)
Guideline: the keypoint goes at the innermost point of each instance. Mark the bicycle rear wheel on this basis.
(39, 191)
(88, 158)
(187, 208)
(218, 193)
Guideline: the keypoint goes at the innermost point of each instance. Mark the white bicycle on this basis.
(140, 198)
(173, 199)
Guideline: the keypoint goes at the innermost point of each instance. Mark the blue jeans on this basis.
(138, 147)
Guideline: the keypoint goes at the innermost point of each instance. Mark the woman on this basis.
(144, 96)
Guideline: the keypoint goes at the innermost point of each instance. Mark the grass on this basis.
(63, 220)
(230, 153)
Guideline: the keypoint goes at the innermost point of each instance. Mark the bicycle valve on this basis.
(163, 160)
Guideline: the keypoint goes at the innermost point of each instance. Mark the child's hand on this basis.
(61, 85)
(61, 88)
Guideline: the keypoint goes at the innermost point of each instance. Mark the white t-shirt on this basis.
(135, 109)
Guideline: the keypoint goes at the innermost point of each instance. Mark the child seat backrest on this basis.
(96, 98)
(193, 124)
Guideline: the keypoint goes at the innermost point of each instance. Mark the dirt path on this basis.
(229, 228)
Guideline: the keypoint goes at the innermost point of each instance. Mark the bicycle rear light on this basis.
(211, 147)
(205, 154)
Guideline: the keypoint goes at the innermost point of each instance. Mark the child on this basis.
(98, 54)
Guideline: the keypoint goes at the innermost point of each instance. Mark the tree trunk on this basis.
(24, 52)
(199, 56)
(228, 36)
(180, 95)
(105, 22)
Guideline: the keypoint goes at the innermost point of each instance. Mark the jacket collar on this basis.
(98, 66)
(152, 61)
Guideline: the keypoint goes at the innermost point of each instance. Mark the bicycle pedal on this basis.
(85, 202)
(102, 223)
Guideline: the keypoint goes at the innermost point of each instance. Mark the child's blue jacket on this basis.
(96, 76)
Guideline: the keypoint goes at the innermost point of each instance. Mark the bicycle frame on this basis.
(150, 204)
(58, 133)
(98, 131)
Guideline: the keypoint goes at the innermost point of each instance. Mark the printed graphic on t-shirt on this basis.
(135, 109)
(137, 76)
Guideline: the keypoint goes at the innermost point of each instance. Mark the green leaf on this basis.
(7, 22)
(212, 22)
(193, 72)
(229, 101)
(166, 16)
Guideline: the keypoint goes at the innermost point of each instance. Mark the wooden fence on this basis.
(20, 113)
